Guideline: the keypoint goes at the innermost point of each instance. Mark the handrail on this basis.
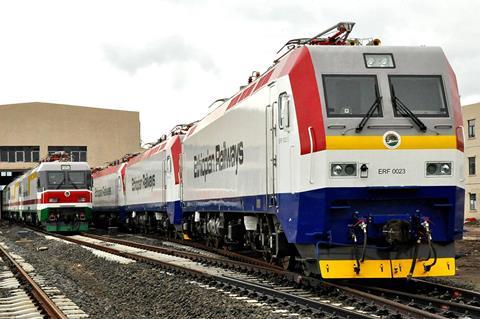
(310, 135)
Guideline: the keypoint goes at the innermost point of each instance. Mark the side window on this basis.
(471, 166)
(283, 111)
(471, 128)
(169, 164)
(473, 201)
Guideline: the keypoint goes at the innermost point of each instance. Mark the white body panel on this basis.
(226, 156)
(144, 181)
(108, 189)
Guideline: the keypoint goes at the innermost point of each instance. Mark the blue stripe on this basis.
(148, 207)
(325, 214)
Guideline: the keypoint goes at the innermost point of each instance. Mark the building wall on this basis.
(472, 149)
(107, 134)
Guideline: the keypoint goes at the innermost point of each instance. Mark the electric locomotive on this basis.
(55, 195)
(344, 159)
(140, 192)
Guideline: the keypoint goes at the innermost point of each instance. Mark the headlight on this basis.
(439, 169)
(446, 169)
(337, 170)
(343, 169)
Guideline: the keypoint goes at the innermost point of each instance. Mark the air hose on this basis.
(431, 247)
(414, 259)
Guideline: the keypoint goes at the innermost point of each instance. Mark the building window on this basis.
(471, 128)
(77, 153)
(473, 201)
(13, 154)
(471, 166)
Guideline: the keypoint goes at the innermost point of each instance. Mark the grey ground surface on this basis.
(107, 289)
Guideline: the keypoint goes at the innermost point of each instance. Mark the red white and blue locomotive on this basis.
(346, 159)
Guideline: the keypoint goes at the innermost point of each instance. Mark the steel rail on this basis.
(222, 252)
(455, 292)
(193, 256)
(291, 276)
(48, 305)
(404, 309)
(343, 312)
(459, 308)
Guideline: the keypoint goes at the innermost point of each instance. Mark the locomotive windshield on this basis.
(55, 178)
(77, 177)
(68, 179)
(424, 95)
(350, 95)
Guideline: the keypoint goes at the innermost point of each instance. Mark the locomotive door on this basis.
(164, 180)
(271, 147)
(118, 191)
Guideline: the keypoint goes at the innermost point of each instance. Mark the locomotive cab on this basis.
(389, 180)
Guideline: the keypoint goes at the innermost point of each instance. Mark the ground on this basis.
(468, 263)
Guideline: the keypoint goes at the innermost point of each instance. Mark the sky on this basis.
(170, 60)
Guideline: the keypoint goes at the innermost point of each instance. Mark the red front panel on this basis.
(66, 196)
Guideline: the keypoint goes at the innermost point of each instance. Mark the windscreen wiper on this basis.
(369, 114)
(406, 112)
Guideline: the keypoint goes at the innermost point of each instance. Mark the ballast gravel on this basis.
(109, 289)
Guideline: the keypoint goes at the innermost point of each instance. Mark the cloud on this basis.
(166, 51)
(293, 14)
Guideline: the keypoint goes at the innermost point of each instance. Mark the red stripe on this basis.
(30, 201)
(457, 109)
(298, 65)
(233, 101)
(62, 197)
(73, 198)
(122, 174)
(176, 150)
(147, 154)
(246, 93)
(254, 87)
(263, 80)
(106, 171)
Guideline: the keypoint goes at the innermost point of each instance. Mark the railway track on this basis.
(240, 278)
(308, 295)
(195, 247)
(440, 301)
(27, 295)
(453, 301)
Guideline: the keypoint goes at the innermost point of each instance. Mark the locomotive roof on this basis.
(56, 166)
(336, 59)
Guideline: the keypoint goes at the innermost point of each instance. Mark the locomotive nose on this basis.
(397, 232)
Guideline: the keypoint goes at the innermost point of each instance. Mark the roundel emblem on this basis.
(391, 139)
(67, 194)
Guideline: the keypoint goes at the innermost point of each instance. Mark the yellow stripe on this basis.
(31, 177)
(376, 142)
(398, 268)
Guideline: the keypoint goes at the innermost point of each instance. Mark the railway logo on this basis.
(145, 181)
(391, 140)
(103, 191)
(222, 158)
